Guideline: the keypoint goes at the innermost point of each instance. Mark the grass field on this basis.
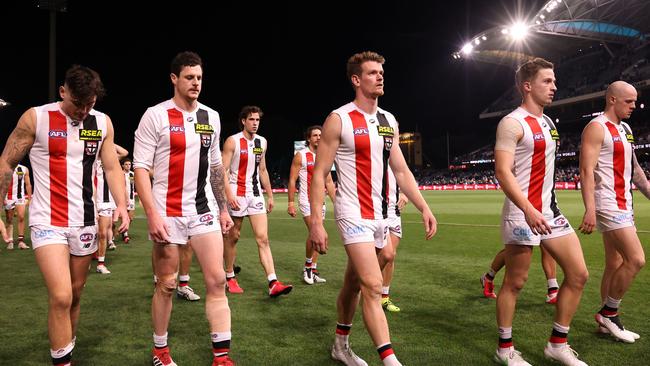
(444, 318)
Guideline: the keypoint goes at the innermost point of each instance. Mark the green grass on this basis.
(444, 319)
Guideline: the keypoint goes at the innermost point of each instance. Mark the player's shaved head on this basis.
(619, 88)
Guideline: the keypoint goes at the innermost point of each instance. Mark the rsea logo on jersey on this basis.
(555, 135)
(258, 150)
(360, 131)
(90, 135)
(58, 134)
(203, 129)
(386, 131)
(629, 137)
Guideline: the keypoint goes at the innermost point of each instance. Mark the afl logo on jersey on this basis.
(176, 129)
(360, 131)
(616, 138)
(58, 134)
(538, 136)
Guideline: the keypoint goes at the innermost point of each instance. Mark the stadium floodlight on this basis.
(519, 31)
(642, 106)
(484, 38)
(3, 103)
(467, 48)
(477, 41)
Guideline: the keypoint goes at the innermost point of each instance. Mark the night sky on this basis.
(288, 59)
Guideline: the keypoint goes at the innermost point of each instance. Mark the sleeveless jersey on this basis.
(393, 195)
(129, 180)
(180, 146)
(614, 171)
(63, 157)
(245, 165)
(16, 190)
(307, 162)
(534, 165)
(102, 193)
(362, 163)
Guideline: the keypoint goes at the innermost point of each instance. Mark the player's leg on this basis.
(548, 265)
(387, 272)
(184, 290)
(229, 254)
(346, 305)
(78, 275)
(53, 261)
(9, 216)
(487, 279)
(613, 260)
(208, 249)
(517, 262)
(165, 258)
(20, 212)
(103, 228)
(566, 250)
(259, 224)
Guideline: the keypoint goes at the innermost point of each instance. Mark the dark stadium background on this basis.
(287, 58)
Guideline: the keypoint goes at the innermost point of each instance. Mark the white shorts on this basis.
(305, 209)
(181, 229)
(395, 225)
(249, 205)
(363, 231)
(608, 220)
(10, 205)
(130, 205)
(82, 240)
(518, 232)
(106, 209)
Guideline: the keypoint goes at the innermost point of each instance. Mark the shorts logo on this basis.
(522, 233)
(91, 147)
(58, 134)
(259, 205)
(355, 230)
(208, 217)
(360, 131)
(623, 218)
(560, 221)
(44, 234)
(176, 129)
(538, 136)
(397, 229)
(86, 237)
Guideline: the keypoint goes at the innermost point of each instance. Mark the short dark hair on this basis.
(309, 130)
(248, 110)
(186, 58)
(355, 61)
(84, 83)
(527, 71)
(124, 160)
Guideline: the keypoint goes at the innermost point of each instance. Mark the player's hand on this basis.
(233, 204)
(430, 224)
(403, 200)
(158, 229)
(291, 210)
(536, 221)
(121, 213)
(226, 221)
(318, 238)
(588, 222)
(269, 205)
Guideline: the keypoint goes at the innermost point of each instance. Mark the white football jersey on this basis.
(244, 174)
(16, 189)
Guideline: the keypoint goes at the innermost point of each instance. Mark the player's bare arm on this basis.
(639, 178)
(114, 176)
(509, 132)
(329, 143)
(226, 159)
(293, 176)
(408, 185)
(218, 183)
(157, 229)
(266, 183)
(592, 140)
(330, 187)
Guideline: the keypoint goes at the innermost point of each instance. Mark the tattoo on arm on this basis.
(217, 182)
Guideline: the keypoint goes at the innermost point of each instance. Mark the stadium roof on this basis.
(559, 28)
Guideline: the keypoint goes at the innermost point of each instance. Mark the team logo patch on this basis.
(91, 147)
(397, 229)
(388, 142)
(90, 135)
(560, 221)
(522, 233)
(360, 131)
(538, 136)
(203, 129)
(207, 219)
(58, 134)
(206, 140)
(176, 129)
(86, 237)
(259, 205)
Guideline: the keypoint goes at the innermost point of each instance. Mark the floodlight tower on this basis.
(53, 6)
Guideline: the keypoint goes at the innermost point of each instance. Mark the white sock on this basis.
(61, 352)
(272, 277)
(160, 341)
(184, 278)
(230, 274)
(613, 303)
(391, 361)
(552, 282)
(385, 290)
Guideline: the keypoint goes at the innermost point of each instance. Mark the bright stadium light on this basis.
(642, 106)
(467, 48)
(3, 103)
(484, 38)
(477, 41)
(519, 31)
